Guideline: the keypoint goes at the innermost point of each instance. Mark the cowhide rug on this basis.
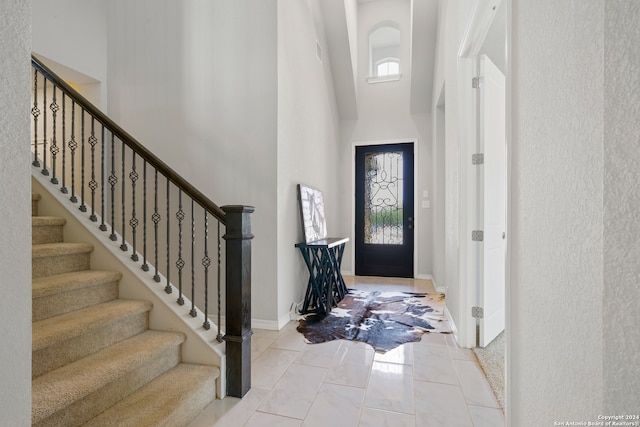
(384, 320)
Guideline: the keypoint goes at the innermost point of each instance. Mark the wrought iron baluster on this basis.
(73, 145)
(156, 219)
(35, 112)
(145, 266)
(64, 189)
(123, 246)
(54, 142)
(82, 207)
(219, 336)
(206, 262)
(103, 226)
(193, 311)
(113, 180)
(44, 170)
(180, 263)
(168, 289)
(134, 221)
(93, 184)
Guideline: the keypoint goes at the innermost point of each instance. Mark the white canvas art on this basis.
(312, 210)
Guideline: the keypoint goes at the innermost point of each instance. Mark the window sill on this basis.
(383, 79)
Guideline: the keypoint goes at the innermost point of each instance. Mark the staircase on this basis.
(95, 361)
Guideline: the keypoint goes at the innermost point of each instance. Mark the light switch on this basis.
(426, 203)
(425, 194)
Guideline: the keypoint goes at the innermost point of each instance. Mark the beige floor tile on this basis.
(351, 366)
(439, 405)
(319, 355)
(293, 395)
(433, 339)
(267, 369)
(335, 406)
(402, 354)
(434, 364)
(261, 419)
(230, 411)
(376, 418)
(474, 384)
(290, 339)
(390, 388)
(486, 417)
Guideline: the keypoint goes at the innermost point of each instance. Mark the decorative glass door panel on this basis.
(384, 210)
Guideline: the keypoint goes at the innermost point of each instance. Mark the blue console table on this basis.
(326, 286)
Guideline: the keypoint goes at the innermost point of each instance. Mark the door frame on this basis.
(416, 173)
(470, 46)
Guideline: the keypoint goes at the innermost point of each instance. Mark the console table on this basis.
(326, 286)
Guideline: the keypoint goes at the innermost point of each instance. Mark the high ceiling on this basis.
(423, 46)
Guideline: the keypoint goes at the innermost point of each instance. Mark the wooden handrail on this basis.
(131, 142)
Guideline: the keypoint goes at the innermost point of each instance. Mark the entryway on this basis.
(384, 210)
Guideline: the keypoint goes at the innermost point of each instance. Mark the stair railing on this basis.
(138, 200)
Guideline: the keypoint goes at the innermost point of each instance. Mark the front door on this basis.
(384, 210)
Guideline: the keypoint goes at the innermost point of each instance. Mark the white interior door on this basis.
(492, 121)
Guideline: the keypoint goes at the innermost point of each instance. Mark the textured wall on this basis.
(557, 234)
(621, 315)
(15, 211)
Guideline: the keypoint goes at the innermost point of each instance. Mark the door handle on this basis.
(410, 219)
(503, 235)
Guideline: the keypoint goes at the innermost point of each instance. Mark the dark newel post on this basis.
(238, 298)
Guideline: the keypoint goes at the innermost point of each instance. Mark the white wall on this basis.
(447, 274)
(74, 33)
(307, 138)
(556, 301)
(15, 209)
(384, 115)
(621, 293)
(196, 82)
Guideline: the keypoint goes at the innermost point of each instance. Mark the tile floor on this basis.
(344, 383)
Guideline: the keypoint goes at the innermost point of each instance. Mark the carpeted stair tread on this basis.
(173, 399)
(70, 325)
(66, 282)
(47, 220)
(56, 258)
(47, 229)
(59, 249)
(60, 389)
(62, 293)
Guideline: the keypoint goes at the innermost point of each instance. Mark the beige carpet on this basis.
(491, 359)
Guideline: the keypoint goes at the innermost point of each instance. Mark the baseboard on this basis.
(271, 325)
(347, 273)
(424, 277)
(454, 329)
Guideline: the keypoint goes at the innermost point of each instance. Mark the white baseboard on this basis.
(454, 329)
(271, 325)
(347, 273)
(424, 277)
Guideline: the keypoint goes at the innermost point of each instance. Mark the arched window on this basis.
(387, 67)
(384, 50)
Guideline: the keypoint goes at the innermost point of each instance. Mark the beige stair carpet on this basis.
(94, 359)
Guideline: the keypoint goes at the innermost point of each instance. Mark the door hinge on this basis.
(477, 235)
(477, 312)
(477, 159)
(476, 82)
